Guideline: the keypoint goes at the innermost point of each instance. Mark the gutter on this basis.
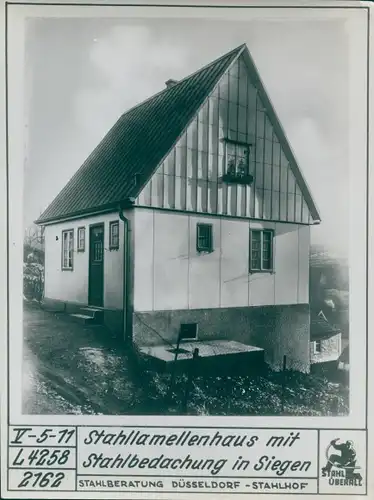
(111, 207)
(126, 324)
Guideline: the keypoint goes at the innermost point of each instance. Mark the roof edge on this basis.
(112, 207)
(305, 190)
(242, 48)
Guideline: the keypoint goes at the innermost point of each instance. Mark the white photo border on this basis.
(355, 16)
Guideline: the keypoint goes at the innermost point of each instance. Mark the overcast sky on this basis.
(82, 74)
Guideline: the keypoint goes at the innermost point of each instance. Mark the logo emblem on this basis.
(342, 467)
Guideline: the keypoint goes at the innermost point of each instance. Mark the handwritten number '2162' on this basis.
(42, 479)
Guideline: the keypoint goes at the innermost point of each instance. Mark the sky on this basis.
(82, 74)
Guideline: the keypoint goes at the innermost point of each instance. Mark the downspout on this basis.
(126, 277)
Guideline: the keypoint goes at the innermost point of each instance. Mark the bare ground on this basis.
(70, 368)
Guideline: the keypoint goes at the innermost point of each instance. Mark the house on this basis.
(343, 361)
(325, 341)
(191, 211)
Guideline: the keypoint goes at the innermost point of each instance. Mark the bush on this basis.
(33, 276)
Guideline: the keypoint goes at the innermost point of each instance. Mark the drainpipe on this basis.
(126, 276)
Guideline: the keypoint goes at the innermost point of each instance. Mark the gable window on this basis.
(114, 235)
(261, 250)
(81, 246)
(67, 249)
(237, 159)
(317, 346)
(204, 238)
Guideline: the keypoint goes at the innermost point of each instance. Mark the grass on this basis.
(303, 395)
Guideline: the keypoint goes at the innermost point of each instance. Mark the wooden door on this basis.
(96, 266)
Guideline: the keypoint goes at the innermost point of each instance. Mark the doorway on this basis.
(96, 266)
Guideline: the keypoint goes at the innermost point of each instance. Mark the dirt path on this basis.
(76, 369)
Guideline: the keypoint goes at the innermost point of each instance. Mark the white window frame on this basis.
(67, 261)
(209, 228)
(79, 239)
(113, 246)
(261, 269)
(234, 169)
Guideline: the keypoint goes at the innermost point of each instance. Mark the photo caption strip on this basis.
(176, 460)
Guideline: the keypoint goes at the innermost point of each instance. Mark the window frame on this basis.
(112, 224)
(235, 144)
(261, 269)
(210, 247)
(63, 267)
(189, 339)
(79, 248)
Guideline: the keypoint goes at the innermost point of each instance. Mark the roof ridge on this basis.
(166, 89)
(241, 47)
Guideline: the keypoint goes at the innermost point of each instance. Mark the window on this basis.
(81, 239)
(317, 346)
(188, 331)
(67, 249)
(237, 159)
(204, 238)
(114, 235)
(97, 251)
(261, 250)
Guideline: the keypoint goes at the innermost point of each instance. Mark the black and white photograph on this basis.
(187, 215)
(187, 228)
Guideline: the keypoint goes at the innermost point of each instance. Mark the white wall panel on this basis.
(204, 268)
(261, 289)
(143, 260)
(232, 199)
(304, 248)
(234, 263)
(286, 260)
(241, 201)
(170, 261)
(113, 269)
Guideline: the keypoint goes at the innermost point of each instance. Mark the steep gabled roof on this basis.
(128, 155)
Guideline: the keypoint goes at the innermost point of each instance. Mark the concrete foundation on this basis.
(214, 356)
(279, 330)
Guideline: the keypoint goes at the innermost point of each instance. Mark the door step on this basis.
(89, 315)
(83, 318)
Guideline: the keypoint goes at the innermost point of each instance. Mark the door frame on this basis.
(90, 227)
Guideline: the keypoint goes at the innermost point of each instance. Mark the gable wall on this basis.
(189, 178)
